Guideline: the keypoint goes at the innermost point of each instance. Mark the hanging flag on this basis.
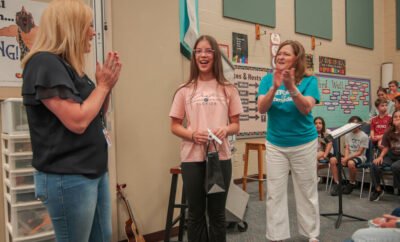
(189, 25)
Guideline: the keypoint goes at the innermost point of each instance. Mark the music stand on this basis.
(334, 136)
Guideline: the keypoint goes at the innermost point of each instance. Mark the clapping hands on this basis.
(287, 76)
(107, 75)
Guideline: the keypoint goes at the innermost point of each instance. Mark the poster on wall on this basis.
(310, 62)
(247, 80)
(275, 41)
(19, 20)
(332, 65)
(239, 48)
(342, 97)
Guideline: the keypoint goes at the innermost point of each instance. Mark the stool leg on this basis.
(260, 173)
(170, 214)
(246, 166)
(182, 216)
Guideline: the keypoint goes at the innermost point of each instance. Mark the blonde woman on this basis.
(288, 96)
(66, 113)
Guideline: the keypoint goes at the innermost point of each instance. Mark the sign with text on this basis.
(247, 80)
(332, 65)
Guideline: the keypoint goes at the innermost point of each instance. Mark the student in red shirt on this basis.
(380, 122)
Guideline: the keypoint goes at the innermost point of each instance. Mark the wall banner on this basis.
(19, 20)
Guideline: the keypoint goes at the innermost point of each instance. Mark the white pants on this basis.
(301, 161)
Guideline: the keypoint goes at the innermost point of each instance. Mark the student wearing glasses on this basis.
(207, 101)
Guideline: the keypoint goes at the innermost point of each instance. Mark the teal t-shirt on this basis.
(286, 125)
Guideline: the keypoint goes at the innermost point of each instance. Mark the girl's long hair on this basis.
(300, 62)
(323, 130)
(64, 27)
(217, 67)
(390, 131)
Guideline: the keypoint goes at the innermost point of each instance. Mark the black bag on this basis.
(214, 178)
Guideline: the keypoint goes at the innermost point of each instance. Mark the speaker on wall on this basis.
(387, 73)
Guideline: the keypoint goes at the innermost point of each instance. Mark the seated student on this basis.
(379, 123)
(393, 90)
(396, 103)
(390, 156)
(356, 143)
(324, 148)
(385, 229)
(382, 93)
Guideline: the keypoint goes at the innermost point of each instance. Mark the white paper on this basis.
(344, 129)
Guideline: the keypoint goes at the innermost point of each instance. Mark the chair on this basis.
(336, 150)
(329, 169)
(366, 165)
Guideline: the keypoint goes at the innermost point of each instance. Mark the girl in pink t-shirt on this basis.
(207, 101)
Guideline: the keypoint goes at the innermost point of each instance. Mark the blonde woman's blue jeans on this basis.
(79, 207)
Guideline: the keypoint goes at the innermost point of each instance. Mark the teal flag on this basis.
(189, 25)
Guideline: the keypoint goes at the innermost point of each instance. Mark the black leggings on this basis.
(391, 160)
(193, 175)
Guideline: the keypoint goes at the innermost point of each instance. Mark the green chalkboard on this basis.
(314, 17)
(360, 23)
(342, 97)
(398, 23)
(254, 11)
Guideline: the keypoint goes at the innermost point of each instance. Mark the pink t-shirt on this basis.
(208, 107)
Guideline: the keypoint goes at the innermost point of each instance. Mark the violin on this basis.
(131, 229)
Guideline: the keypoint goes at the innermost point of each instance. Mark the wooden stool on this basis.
(259, 147)
(175, 171)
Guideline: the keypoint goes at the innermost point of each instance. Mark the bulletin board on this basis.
(247, 79)
(342, 97)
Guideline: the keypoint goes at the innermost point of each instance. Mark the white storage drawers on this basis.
(17, 161)
(16, 143)
(13, 116)
(20, 196)
(28, 220)
(18, 178)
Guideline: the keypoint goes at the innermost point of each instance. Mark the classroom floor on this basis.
(352, 205)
